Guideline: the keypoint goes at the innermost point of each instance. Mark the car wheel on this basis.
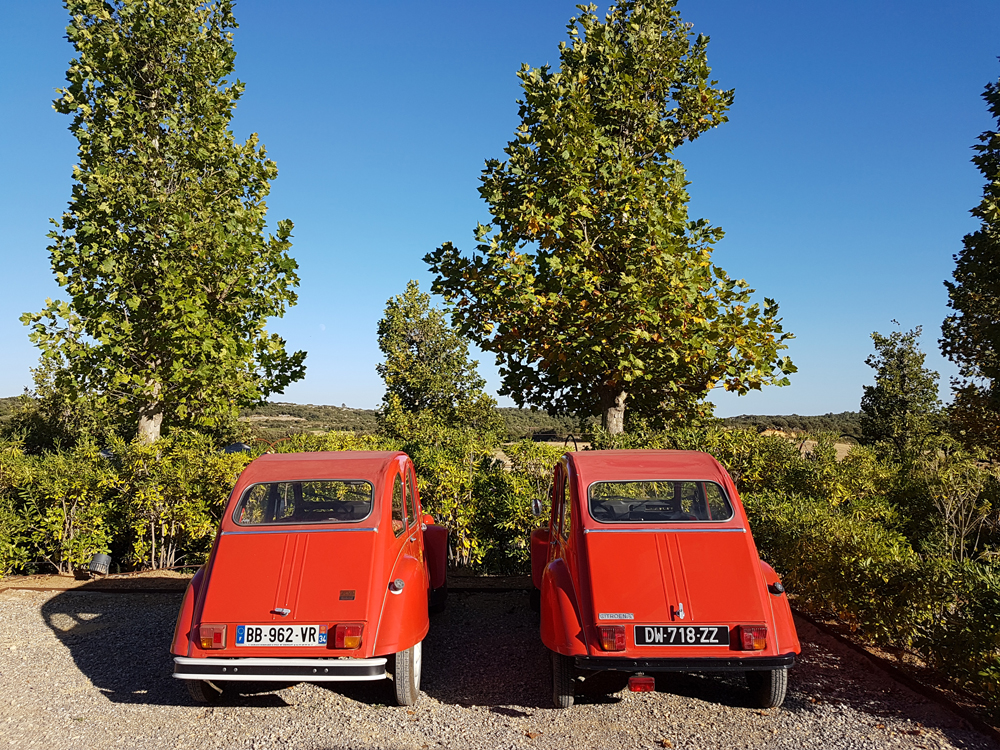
(437, 599)
(407, 675)
(203, 691)
(562, 680)
(535, 600)
(768, 687)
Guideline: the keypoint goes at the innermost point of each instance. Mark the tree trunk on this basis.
(613, 410)
(150, 419)
(151, 415)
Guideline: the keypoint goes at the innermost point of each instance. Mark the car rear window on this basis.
(313, 501)
(660, 501)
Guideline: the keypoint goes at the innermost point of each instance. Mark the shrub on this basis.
(842, 560)
(54, 507)
(170, 496)
(962, 639)
(503, 496)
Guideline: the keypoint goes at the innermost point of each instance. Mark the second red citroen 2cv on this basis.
(321, 571)
(647, 565)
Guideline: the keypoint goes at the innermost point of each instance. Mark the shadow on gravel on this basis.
(483, 650)
(120, 642)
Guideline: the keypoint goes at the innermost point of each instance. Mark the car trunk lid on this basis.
(673, 576)
(314, 576)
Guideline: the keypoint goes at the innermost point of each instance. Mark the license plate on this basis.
(281, 635)
(681, 635)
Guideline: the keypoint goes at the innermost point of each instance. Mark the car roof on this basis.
(277, 467)
(594, 466)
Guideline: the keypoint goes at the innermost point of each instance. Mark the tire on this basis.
(203, 691)
(562, 680)
(768, 687)
(407, 675)
(437, 599)
(535, 600)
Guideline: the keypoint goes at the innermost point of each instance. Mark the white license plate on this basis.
(281, 635)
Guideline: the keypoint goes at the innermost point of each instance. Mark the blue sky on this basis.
(842, 180)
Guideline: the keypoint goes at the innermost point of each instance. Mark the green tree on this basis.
(591, 284)
(50, 417)
(429, 379)
(971, 335)
(162, 251)
(900, 409)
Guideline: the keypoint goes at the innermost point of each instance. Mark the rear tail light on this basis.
(212, 636)
(641, 684)
(612, 637)
(753, 637)
(348, 635)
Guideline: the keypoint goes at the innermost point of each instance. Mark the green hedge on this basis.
(862, 539)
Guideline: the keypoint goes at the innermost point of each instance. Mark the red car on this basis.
(322, 571)
(648, 565)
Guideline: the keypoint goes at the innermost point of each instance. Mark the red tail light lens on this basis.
(212, 636)
(348, 635)
(612, 637)
(753, 637)
(641, 684)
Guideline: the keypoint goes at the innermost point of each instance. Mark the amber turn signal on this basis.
(348, 635)
(753, 637)
(612, 637)
(212, 636)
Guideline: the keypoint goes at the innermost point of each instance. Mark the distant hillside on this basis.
(522, 423)
(7, 406)
(845, 423)
(280, 418)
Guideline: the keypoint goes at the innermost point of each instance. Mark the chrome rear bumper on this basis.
(280, 670)
(689, 664)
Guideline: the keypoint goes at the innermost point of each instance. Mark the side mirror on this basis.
(536, 506)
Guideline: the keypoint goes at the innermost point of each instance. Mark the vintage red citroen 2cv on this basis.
(647, 565)
(321, 571)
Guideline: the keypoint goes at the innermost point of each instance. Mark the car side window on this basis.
(567, 510)
(398, 510)
(411, 496)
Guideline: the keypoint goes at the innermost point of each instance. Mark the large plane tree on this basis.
(591, 285)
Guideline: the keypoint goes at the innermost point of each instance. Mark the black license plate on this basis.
(681, 635)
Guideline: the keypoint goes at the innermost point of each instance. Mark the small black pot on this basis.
(100, 563)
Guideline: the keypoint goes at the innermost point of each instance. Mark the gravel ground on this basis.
(88, 670)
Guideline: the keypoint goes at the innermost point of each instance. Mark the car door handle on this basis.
(413, 538)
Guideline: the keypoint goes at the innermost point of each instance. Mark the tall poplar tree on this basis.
(971, 335)
(591, 285)
(162, 251)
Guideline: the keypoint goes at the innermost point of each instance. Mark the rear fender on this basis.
(183, 635)
(539, 555)
(436, 553)
(561, 630)
(404, 620)
(785, 637)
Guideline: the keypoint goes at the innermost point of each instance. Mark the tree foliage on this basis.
(162, 251)
(971, 335)
(428, 375)
(901, 407)
(591, 284)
